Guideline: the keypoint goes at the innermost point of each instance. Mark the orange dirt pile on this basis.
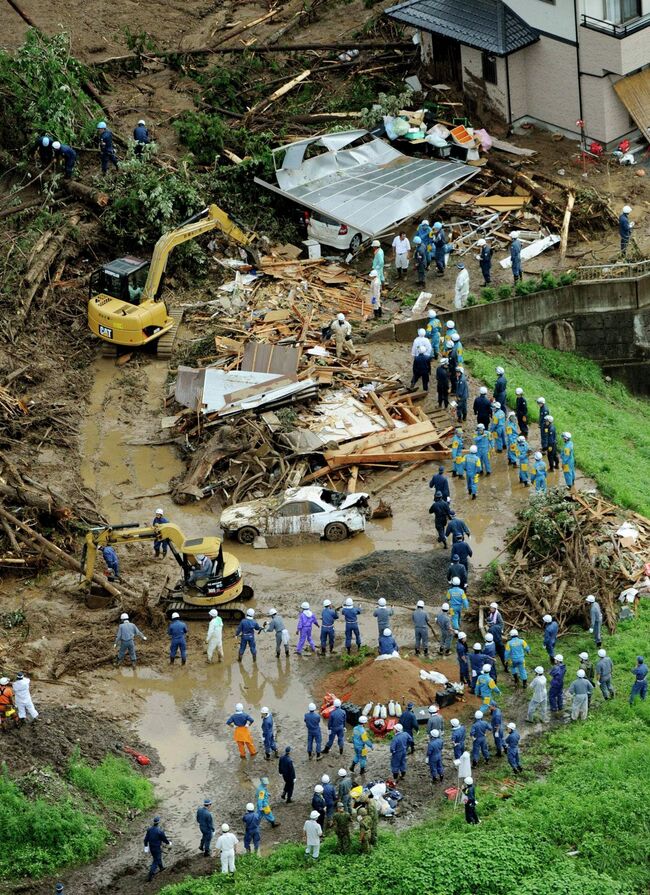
(397, 679)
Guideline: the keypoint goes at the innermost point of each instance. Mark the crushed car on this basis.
(333, 515)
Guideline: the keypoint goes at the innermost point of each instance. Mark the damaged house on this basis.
(550, 62)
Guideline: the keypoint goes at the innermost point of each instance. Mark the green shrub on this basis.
(548, 280)
(472, 300)
(39, 837)
(113, 782)
(206, 135)
(489, 294)
(568, 277)
(504, 292)
(527, 287)
(357, 658)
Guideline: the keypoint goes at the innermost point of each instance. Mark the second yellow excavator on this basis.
(124, 308)
(210, 576)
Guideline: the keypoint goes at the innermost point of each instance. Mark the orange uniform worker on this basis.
(7, 706)
(242, 735)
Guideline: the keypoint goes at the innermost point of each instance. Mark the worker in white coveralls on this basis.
(342, 335)
(214, 637)
(23, 697)
(461, 291)
(225, 845)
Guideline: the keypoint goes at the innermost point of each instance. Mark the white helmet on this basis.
(124, 617)
(318, 788)
(239, 707)
(489, 638)
(455, 338)
(500, 370)
(512, 726)
(477, 646)
(581, 672)
(481, 242)
(455, 582)
(375, 244)
(514, 234)
(541, 400)
(468, 781)
(549, 418)
(349, 602)
(547, 619)
(496, 405)
(473, 449)
(519, 391)
(521, 438)
(483, 390)
(340, 318)
(602, 653)
(559, 657)
(250, 613)
(265, 710)
(480, 427)
(462, 635)
(159, 511)
(539, 669)
(486, 669)
(381, 601)
(399, 728)
(312, 706)
(566, 436)
(313, 815)
(627, 209)
(514, 633)
(422, 332)
(419, 604)
(445, 607)
(433, 709)
(478, 715)
(327, 602)
(363, 719)
(583, 656)
(494, 605)
(250, 807)
(56, 145)
(538, 455)
(337, 703)
(273, 611)
(388, 632)
(175, 615)
(213, 613)
(450, 324)
(455, 722)
(590, 599)
(225, 828)
(342, 771)
(434, 733)
(304, 605)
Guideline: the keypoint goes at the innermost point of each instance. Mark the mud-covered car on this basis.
(331, 514)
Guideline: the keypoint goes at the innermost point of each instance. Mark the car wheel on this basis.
(355, 242)
(336, 531)
(247, 534)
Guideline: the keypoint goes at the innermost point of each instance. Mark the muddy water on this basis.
(182, 712)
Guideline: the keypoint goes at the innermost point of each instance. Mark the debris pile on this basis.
(565, 547)
(378, 682)
(261, 417)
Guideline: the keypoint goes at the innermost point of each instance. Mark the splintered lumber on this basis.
(263, 104)
(564, 233)
(381, 407)
(234, 32)
(386, 457)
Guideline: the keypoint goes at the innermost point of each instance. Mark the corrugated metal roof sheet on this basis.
(488, 25)
(367, 185)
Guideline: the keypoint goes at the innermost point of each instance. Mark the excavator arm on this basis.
(211, 218)
(129, 534)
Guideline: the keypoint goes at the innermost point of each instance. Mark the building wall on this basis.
(518, 84)
(551, 83)
(551, 18)
(605, 53)
(606, 117)
(473, 83)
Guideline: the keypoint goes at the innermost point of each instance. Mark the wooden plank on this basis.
(564, 232)
(352, 483)
(381, 407)
(384, 437)
(504, 146)
(395, 457)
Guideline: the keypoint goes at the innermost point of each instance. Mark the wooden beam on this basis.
(381, 407)
(564, 233)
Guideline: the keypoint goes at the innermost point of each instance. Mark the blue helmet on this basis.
(417, 240)
(102, 124)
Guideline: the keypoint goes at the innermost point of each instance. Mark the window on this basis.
(489, 68)
(621, 11)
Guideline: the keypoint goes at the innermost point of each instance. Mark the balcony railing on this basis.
(618, 31)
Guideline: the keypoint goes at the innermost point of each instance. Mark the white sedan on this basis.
(331, 514)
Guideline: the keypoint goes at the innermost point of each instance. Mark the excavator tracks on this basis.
(231, 612)
(165, 344)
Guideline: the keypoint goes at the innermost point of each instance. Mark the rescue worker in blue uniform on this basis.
(328, 616)
(479, 729)
(351, 614)
(387, 643)
(361, 743)
(462, 652)
(500, 388)
(522, 460)
(409, 723)
(457, 457)
(434, 756)
(551, 630)
(433, 330)
(314, 737)
(69, 156)
(515, 256)
(462, 550)
(336, 727)
(268, 734)
(439, 484)
(625, 226)
(398, 748)
(557, 673)
(512, 747)
(441, 513)
(112, 563)
(568, 460)
(206, 825)
(160, 545)
(472, 471)
(457, 570)
(457, 737)
(640, 685)
(484, 258)
(516, 651)
(498, 428)
(511, 438)
(106, 148)
(482, 442)
(495, 628)
(252, 821)
(177, 630)
(246, 630)
(496, 722)
(154, 840)
(141, 137)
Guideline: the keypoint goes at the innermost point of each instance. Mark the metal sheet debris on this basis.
(363, 181)
(534, 249)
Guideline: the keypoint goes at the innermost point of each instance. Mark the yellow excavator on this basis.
(124, 309)
(203, 585)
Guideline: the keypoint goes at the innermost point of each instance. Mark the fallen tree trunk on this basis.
(87, 194)
(37, 501)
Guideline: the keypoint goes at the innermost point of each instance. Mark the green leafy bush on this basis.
(548, 280)
(504, 292)
(488, 294)
(472, 300)
(568, 277)
(357, 658)
(42, 90)
(527, 287)
(113, 782)
(39, 837)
